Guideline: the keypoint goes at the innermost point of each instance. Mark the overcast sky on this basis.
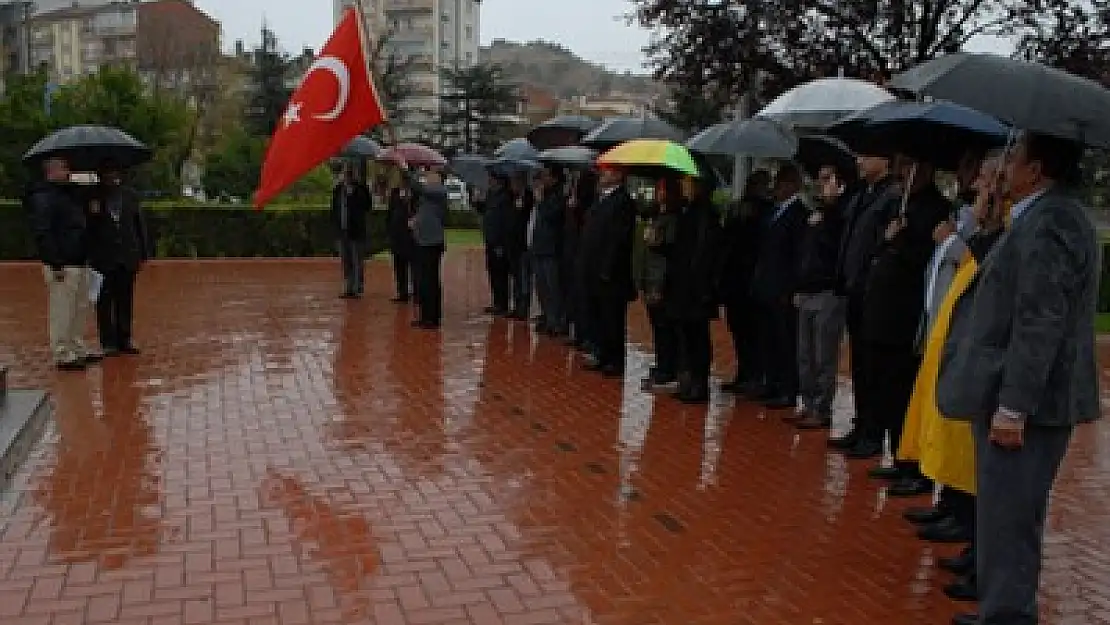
(593, 29)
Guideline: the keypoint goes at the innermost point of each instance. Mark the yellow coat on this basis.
(943, 447)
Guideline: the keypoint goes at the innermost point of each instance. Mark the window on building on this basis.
(469, 32)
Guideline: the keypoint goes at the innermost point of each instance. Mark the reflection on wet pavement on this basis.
(280, 456)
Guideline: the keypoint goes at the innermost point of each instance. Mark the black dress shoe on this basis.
(130, 350)
(961, 564)
(844, 443)
(924, 516)
(962, 589)
(910, 487)
(966, 619)
(400, 299)
(948, 530)
(884, 473)
(612, 371)
(91, 359)
(865, 449)
(780, 403)
(695, 396)
(814, 422)
(72, 365)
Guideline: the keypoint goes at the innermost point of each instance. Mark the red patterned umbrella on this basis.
(414, 154)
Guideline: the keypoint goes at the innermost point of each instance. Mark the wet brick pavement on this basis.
(278, 456)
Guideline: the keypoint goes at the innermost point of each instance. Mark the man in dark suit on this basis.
(401, 244)
(496, 214)
(892, 309)
(773, 286)
(607, 241)
(118, 246)
(545, 245)
(864, 220)
(350, 205)
(1020, 364)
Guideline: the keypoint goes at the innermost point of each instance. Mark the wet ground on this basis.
(279, 456)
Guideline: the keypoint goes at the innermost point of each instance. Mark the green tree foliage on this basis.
(475, 107)
(693, 109)
(233, 167)
(732, 47)
(112, 97)
(270, 77)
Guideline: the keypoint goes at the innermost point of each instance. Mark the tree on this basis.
(476, 106)
(734, 47)
(692, 109)
(24, 121)
(270, 73)
(391, 73)
(233, 168)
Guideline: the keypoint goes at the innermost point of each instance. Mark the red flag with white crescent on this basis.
(335, 102)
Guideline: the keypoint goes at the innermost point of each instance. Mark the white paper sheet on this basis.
(96, 283)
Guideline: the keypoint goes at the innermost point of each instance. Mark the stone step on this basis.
(23, 418)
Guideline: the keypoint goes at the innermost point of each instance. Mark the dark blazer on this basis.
(58, 223)
(693, 264)
(112, 245)
(819, 248)
(895, 297)
(359, 204)
(397, 222)
(864, 220)
(740, 250)
(775, 275)
(518, 222)
(1023, 335)
(547, 236)
(606, 247)
(496, 213)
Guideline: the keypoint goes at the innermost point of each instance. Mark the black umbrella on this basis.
(519, 149)
(513, 166)
(1026, 95)
(937, 132)
(361, 147)
(87, 148)
(562, 131)
(575, 157)
(758, 138)
(817, 151)
(617, 130)
(471, 168)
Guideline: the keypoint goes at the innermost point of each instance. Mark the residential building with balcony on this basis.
(429, 35)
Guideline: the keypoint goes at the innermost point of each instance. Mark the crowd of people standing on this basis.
(970, 332)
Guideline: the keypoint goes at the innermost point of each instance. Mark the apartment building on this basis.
(159, 37)
(430, 35)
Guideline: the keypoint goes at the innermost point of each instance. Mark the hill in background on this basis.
(562, 72)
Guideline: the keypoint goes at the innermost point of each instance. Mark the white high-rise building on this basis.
(431, 35)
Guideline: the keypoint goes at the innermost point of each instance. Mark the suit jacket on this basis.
(608, 238)
(431, 211)
(359, 203)
(865, 219)
(693, 264)
(1023, 336)
(775, 276)
(895, 296)
(59, 225)
(397, 223)
(547, 235)
(116, 244)
(740, 249)
(496, 216)
(518, 222)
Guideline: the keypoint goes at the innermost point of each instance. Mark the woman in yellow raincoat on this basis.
(944, 447)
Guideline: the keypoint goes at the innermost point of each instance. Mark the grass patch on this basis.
(466, 238)
(1102, 323)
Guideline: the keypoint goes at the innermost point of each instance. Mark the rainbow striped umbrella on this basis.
(652, 153)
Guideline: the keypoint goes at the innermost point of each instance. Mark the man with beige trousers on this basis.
(59, 226)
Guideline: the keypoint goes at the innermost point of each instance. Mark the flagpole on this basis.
(364, 37)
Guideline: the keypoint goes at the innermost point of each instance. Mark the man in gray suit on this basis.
(1020, 363)
(428, 228)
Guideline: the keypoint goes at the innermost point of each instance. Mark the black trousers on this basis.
(402, 264)
(497, 269)
(430, 283)
(695, 352)
(778, 331)
(115, 306)
(891, 374)
(864, 422)
(665, 341)
(610, 327)
(743, 326)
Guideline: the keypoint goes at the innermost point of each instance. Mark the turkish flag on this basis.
(335, 102)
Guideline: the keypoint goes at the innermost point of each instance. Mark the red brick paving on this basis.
(281, 457)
